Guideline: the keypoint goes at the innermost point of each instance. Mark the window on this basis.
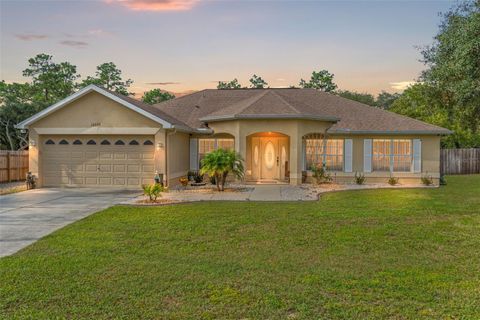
(49, 141)
(148, 143)
(133, 143)
(227, 144)
(119, 143)
(208, 145)
(63, 141)
(329, 152)
(77, 142)
(394, 155)
(105, 143)
(91, 142)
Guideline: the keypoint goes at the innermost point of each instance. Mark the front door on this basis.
(269, 158)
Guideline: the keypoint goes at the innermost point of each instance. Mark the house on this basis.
(96, 137)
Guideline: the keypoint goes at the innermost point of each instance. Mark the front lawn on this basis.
(373, 254)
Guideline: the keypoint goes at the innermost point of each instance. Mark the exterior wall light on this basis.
(32, 143)
(160, 145)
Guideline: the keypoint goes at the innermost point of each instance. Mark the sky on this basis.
(183, 45)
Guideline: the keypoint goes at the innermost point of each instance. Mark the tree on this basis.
(15, 106)
(109, 77)
(257, 82)
(385, 99)
(229, 85)
(220, 163)
(430, 104)
(156, 96)
(453, 63)
(50, 81)
(356, 96)
(321, 80)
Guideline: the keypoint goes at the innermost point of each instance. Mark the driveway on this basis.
(28, 216)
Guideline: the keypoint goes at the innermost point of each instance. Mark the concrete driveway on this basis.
(27, 216)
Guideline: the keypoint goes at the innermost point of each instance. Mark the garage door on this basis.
(122, 161)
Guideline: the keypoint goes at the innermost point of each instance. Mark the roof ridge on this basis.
(286, 102)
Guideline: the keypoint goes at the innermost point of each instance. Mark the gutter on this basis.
(383, 132)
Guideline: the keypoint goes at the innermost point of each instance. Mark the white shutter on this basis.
(417, 155)
(304, 155)
(193, 154)
(348, 155)
(367, 155)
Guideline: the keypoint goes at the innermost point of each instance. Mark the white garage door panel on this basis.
(97, 165)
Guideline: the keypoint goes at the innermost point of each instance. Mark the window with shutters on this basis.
(328, 152)
(393, 155)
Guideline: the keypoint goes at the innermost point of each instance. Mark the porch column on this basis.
(34, 155)
(296, 159)
(160, 155)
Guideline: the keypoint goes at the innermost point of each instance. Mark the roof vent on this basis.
(197, 106)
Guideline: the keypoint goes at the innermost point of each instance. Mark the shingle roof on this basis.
(151, 109)
(350, 116)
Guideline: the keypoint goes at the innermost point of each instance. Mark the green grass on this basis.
(377, 254)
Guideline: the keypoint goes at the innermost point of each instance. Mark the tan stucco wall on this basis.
(178, 156)
(430, 159)
(296, 129)
(91, 109)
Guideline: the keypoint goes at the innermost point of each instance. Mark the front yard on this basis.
(398, 254)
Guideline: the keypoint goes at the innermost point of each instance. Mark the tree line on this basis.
(50, 82)
(447, 92)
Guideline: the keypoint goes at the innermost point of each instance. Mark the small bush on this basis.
(152, 191)
(392, 181)
(427, 180)
(183, 181)
(320, 174)
(197, 177)
(359, 178)
(443, 181)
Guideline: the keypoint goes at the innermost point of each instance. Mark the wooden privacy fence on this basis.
(460, 161)
(13, 165)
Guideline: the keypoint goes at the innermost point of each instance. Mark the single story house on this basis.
(96, 137)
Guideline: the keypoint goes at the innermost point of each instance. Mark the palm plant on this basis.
(220, 163)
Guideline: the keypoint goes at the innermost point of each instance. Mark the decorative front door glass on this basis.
(269, 155)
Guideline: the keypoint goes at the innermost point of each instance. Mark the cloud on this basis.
(280, 79)
(161, 83)
(155, 5)
(30, 36)
(402, 85)
(98, 32)
(75, 44)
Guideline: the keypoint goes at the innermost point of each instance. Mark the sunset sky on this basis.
(190, 45)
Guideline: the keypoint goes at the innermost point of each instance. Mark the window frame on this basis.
(321, 152)
(201, 155)
(391, 155)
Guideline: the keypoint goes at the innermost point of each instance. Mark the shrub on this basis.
(427, 180)
(197, 177)
(359, 178)
(392, 181)
(320, 174)
(443, 181)
(152, 191)
(183, 181)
